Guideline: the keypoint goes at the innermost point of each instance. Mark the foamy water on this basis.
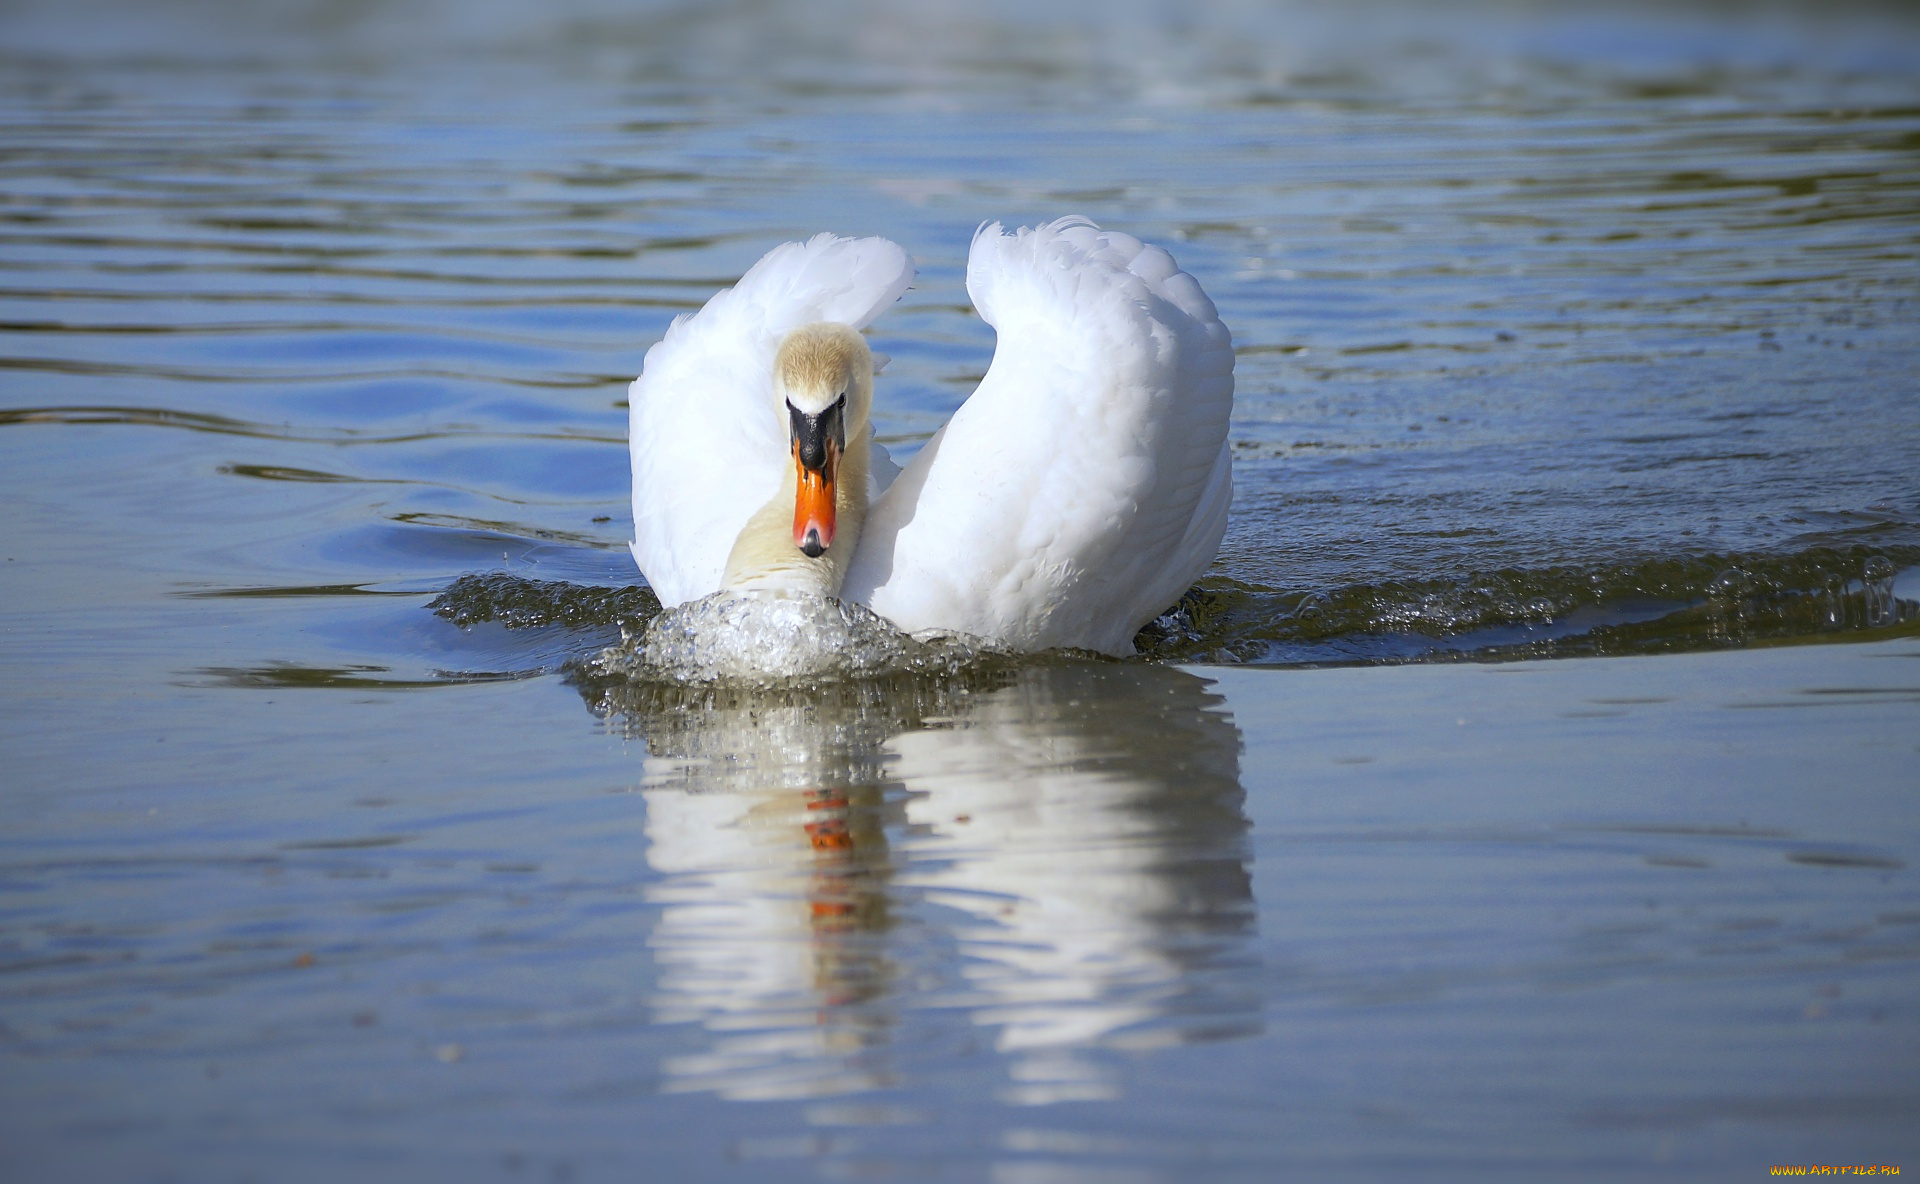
(762, 637)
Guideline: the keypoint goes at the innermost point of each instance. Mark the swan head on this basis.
(823, 377)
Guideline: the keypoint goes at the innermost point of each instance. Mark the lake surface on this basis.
(1562, 334)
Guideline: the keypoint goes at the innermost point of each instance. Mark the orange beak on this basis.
(813, 502)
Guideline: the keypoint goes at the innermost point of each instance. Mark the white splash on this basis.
(765, 637)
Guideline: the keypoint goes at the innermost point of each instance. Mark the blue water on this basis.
(1562, 333)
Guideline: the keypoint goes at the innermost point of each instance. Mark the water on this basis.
(768, 638)
(1560, 333)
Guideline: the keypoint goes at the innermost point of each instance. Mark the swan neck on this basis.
(764, 557)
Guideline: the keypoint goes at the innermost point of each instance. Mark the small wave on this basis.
(1657, 606)
(519, 603)
(222, 425)
(1844, 591)
(770, 638)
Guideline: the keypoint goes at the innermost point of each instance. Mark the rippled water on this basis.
(1521, 338)
(1560, 332)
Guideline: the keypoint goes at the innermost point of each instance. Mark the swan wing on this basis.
(1084, 485)
(707, 440)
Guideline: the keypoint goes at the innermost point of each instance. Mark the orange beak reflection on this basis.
(813, 503)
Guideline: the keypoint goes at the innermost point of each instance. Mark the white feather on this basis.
(707, 438)
(1084, 485)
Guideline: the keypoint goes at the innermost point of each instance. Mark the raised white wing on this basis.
(706, 434)
(1084, 486)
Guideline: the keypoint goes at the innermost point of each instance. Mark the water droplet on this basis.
(1877, 591)
(1729, 584)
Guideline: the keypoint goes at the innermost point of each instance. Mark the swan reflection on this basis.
(1055, 854)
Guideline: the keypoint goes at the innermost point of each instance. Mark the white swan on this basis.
(1075, 495)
